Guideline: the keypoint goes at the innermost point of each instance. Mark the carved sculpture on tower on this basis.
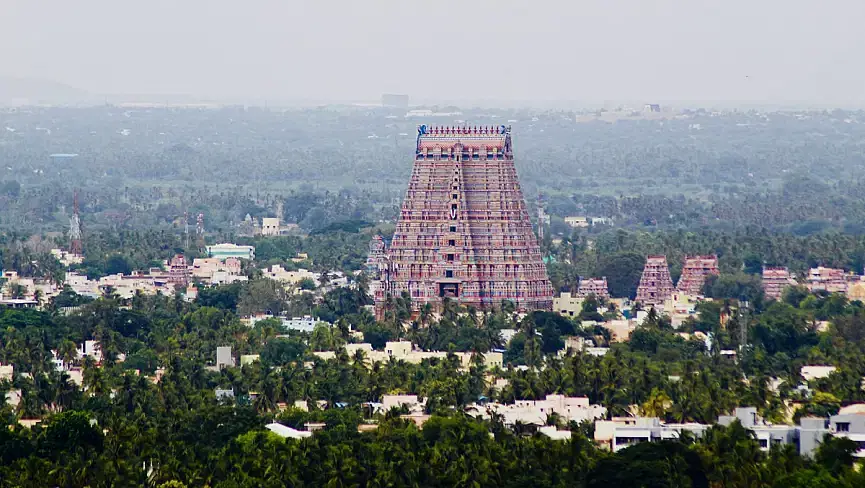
(655, 284)
(694, 274)
(464, 231)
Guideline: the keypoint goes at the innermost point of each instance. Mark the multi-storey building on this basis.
(464, 231)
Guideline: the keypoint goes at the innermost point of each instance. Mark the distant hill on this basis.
(25, 91)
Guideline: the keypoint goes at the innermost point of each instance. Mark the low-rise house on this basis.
(287, 432)
(224, 357)
(768, 435)
(537, 412)
(850, 426)
(278, 273)
(619, 433)
(249, 359)
(406, 351)
(814, 372)
(7, 372)
(567, 304)
(90, 349)
(390, 401)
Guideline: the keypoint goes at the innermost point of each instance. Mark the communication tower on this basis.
(75, 234)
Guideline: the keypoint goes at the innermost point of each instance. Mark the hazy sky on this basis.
(779, 50)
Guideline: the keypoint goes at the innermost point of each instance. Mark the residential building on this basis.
(620, 433)
(537, 412)
(278, 273)
(813, 372)
(406, 351)
(7, 372)
(224, 357)
(567, 304)
(270, 226)
(767, 435)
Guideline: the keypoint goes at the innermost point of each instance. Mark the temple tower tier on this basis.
(464, 231)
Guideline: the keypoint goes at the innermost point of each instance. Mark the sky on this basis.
(444, 50)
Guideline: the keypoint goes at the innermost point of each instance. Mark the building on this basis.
(577, 222)
(694, 273)
(775, 280)
(767, 435)
(816, 372)
(464, 231)
(223, 357)
(7, 372)
(620, 433)
(301, 324)
(406, 351)
(655, 284)
(225, 251)
(567, 304)
(832, 280)
(270, 226)
(593, 286)
(856, 289)
(278, 273)
(536, 412)
(851, 426)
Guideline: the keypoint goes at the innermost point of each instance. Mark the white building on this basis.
(228, 250)
(406, 351)
(536, 412)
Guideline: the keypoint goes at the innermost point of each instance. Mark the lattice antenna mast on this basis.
(542, 217)
(186, 227)
(279, 210)
(199, 230)
(75, 234)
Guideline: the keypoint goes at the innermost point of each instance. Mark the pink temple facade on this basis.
(593, 286)
(694, 274)
(464, 231)
(775, 280)
(656, 286)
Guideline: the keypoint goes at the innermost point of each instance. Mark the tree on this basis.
(260, 296)
(836, 454)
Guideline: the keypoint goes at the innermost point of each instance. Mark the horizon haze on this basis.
(776, 52)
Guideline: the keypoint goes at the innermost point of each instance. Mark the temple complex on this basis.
(831, 280)
(694, 274)
(775, 280)
(464, 231)
(656, 286)
(593, 286)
